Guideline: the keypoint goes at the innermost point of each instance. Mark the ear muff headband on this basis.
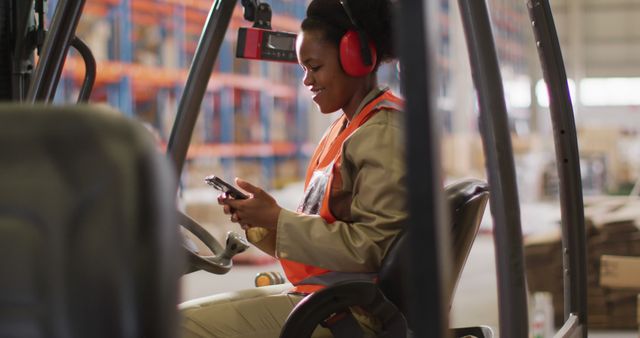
(357, 52)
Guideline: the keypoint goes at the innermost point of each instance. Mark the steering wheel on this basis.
(220, 263)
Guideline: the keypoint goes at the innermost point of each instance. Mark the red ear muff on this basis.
(351, 56)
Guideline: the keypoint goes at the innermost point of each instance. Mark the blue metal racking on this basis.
(130, 85)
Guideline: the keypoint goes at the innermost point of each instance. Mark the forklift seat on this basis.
(387, 299)
(89, 246)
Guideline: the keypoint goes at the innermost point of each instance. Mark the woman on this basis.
(355, 199)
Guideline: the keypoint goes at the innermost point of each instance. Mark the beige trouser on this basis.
(253, 313)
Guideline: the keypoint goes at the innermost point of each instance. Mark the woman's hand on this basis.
(259, 210)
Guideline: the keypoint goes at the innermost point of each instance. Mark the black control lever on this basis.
(235, 244)
(221, 262)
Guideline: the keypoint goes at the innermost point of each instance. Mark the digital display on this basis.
(281, 42)
(267, 45)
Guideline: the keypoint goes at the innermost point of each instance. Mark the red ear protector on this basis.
(357, 52)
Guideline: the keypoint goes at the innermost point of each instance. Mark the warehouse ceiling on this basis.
(599, 38)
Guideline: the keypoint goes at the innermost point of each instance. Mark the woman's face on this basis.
(331, 87)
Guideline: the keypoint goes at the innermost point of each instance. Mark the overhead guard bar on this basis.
(430, 242)
(54, 51)
(197, 80)
(22, 58)
(574, 251)
(503, 192)
(89, 69)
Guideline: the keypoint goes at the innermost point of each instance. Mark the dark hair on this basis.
(373, 16)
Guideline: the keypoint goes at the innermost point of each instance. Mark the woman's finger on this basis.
(234, 204)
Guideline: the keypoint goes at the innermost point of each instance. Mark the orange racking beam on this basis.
(196, 10)
(96, 9)
(144, 19)
(108, 71)
(106, 2)
(204, 5)
(242, 149)
(111, 72)
(155, 7)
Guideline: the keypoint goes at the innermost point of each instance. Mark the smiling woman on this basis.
(354, 204)
(332, 88)
(340, 53)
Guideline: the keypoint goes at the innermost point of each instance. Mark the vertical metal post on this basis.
(113, 94)
(125, 36)
(112, 15)
(227, 98)
(302, 125)
(226, 61)
(266, 110)
(161, 101)
(429, 239)
(574, 251)
(125, 95)
(180, 34)
(227, 125)
(125, 44)
(207, 110)
(496, 140)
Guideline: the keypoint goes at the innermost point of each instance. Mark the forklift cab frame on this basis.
(428, 244)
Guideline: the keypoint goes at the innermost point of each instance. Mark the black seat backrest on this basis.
(467, 200)
(89, 246)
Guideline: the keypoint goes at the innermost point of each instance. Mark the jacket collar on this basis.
(375, 92)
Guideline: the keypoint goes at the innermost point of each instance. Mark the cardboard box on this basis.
(620, 271)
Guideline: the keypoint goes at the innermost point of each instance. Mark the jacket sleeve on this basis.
(373, 170)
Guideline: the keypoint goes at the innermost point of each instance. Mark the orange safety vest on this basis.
(323, 177)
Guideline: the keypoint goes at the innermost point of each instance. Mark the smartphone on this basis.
(225, 187)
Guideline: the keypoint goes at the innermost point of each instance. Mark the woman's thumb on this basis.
(252, 189)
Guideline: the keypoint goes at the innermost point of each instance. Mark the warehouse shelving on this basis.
(143, 59)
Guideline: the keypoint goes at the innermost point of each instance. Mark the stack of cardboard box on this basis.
(616, 234)
(543, 261)
(622, 274)
(611, 225)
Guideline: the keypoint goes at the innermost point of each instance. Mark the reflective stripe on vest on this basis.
(321, 175)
